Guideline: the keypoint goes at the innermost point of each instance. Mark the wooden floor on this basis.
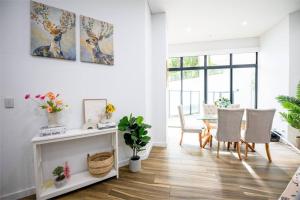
(190, 173)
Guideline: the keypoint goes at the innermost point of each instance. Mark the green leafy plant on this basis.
(292, 105)
(59, 173)
(135, 133)
(222, 102)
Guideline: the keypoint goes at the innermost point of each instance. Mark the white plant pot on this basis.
(135, 165)
(293, 135)
(61, 183)
(53, 119)
(298, 142)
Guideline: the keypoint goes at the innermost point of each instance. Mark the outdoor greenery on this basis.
(292, 105)
(135, 133)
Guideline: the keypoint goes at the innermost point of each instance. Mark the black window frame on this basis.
(231, 66)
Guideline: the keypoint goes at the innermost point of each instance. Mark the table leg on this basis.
(207, 136)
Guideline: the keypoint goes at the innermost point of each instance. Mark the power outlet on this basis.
(9, 103)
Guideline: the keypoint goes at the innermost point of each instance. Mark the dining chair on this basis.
(210, 109)
(189, 128)
(229, 127)
(258, 128)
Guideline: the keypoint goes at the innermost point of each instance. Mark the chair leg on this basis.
(210, 141)
(239, 150)
(246, 151)
(200, 140)
(181, 138)
(268, 152)
(253, 146)
(235, 145)
(218, 149)
(228, 145)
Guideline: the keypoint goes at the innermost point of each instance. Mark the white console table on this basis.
(78, 180)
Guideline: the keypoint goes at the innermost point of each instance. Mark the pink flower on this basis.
(27, 96)
(42, 97)
(38, 96)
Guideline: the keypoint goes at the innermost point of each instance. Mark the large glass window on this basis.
(194, 80)
(218, 84)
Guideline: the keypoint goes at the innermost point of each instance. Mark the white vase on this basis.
(53, 119)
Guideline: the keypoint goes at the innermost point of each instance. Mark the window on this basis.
(218, 84)
(194, 80)
(243, 58)
(217, 60)
(193, 61)
(173, 62)
(192, 91)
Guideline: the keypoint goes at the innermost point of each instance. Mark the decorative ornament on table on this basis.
(223, 102)
(67, 171)
(109, 110)
(52, 104)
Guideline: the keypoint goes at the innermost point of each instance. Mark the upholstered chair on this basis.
(186, 128)
(258, 128)
(229, 127)
(234, 106)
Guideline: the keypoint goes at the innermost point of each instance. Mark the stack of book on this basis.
(46, 131)
(106, 125)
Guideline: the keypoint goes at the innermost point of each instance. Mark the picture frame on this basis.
(94, 110)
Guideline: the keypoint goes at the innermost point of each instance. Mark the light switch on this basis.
(9, 103)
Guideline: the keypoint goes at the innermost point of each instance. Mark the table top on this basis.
(212, 117)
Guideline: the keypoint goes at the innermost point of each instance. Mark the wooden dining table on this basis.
(211, 122)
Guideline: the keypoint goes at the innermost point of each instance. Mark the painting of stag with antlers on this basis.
(52, 32)
(96, 41)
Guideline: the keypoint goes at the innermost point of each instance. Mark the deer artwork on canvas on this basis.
(96, 32)
(40, 15)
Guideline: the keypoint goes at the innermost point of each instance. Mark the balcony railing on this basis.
(192, 100)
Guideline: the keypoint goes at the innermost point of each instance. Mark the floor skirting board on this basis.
(19, 194)
(159, 144)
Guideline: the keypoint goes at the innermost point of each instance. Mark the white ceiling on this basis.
(205, 20)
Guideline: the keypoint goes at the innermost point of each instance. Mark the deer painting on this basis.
(52, 32)
(96, 41)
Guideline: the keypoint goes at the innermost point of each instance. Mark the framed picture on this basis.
(96, 41)
(94, 110)
(52, 32)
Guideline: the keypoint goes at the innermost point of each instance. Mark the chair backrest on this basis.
(259, 124)
(234, 106)
(181, 116)
(229, 124)
(210, 109)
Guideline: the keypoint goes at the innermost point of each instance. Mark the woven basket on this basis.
(100, 164)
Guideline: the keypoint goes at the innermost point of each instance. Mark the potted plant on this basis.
(135, 136)
(52, 104)
(222, 102)
(109, 110)
(292, 116)
(60, 179)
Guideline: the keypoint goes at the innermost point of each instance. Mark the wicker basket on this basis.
(100, 164)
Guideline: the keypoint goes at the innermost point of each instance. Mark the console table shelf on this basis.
(77, 180)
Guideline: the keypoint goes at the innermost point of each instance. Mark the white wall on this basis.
(123, 84)
(273, 74)
(294, 51)
(214, 47)
(159, 84)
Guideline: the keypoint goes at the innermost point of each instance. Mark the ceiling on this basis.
(206, 20)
